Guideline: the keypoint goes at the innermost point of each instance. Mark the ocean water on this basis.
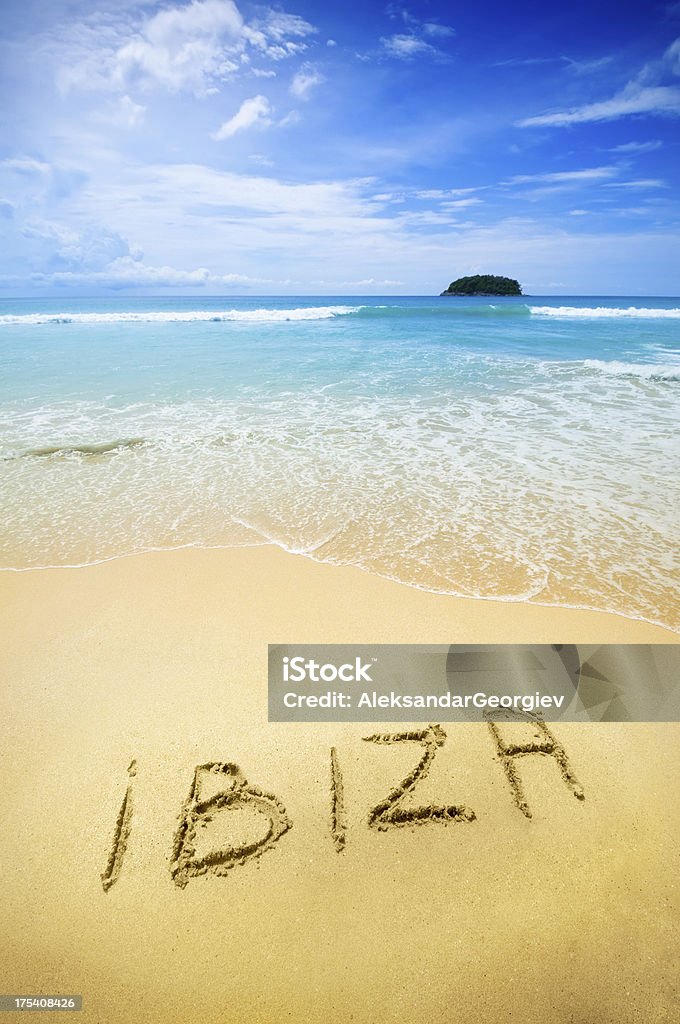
(515, 449)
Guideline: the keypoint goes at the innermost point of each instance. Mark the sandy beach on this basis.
(160, 659)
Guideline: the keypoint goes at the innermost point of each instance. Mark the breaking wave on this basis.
(181, 317)
(645, 371)
(600, 312)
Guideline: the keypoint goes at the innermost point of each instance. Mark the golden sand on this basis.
(120, 679)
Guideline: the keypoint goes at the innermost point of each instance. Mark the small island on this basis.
(483, 284)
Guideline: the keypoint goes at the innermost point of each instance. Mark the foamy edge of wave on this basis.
(645, 371)
(178, 316)
(601, 312)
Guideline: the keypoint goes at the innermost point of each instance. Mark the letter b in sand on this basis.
(224, 822)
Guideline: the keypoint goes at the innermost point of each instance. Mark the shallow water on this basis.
(522, 449)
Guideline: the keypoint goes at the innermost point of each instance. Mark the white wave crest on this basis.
(597, 312)
(186, 316)
(646, 371)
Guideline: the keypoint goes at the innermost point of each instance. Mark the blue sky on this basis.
(212, 147)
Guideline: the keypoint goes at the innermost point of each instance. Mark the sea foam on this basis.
(645, 371)
(598, 312)
(182, 316)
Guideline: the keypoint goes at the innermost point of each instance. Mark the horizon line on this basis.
(343, 295)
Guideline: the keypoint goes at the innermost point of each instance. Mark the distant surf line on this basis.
(448, 309)
(598, 312)
(179, 316)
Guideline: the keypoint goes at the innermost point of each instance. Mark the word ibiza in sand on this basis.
(219, 787)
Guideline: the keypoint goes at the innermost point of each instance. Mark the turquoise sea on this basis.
(521, 449)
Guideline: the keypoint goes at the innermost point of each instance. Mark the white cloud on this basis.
(406, 47)
(47, 245)
(442, 193)
(126, 272)
(520, 62)
(292, 117)
(195, 182)
(304, 81)
(25, 166)
(631, 211)
(672, 56)
(50, 231)
(637, 147)
(179, 48)
(634, 99)
(254, 111)
(29, 183)
(278, 35)
(366, 282)
(329, 230)
(123, 113)
(642, 95)
(563, 177)
(278, 25)
(431, 28)
(198, 211)
(460, 204)
(261, 159)
(638, 183)
(93, 248)
(586, 67)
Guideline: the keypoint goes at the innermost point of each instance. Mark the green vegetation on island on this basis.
(484, 284)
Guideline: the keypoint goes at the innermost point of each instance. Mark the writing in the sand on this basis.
(220, 787)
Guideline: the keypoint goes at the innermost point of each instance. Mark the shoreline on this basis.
(464, 603)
